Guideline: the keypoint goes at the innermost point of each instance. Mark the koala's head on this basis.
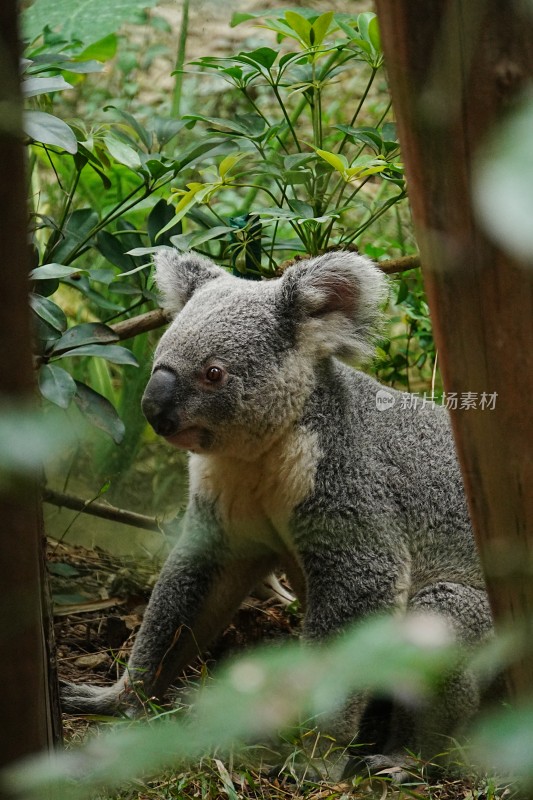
(238, 362)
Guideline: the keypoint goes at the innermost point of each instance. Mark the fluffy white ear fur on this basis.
(178, 276)
(336, 297)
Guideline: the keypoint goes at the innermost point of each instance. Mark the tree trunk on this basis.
(455, 66)
(27, 722)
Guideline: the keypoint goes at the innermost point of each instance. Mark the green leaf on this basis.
(32, 87)
(111, 352)
(227, 163)
(143, 251)
(374, 34)
(165, 129)
(320, 28)
(99, 412)
(503, 741)
(30, 437)
(300, 25)
(240, 17)
(49, 311)
(85, 20)
(123, 153)
(199, 150)
(85, 333)
(206, 236)
(264, 56)
(502, 181)
(158, 218)
(56, 385)
(141, 131)
(48, 271)
(113, 250)
(45, 128)
(338, 162)
(102, 50)
(369, 30)
(77, 228)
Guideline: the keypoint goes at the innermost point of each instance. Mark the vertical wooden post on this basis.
(27, 723)
(455, 67)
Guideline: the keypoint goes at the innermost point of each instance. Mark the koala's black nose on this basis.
(159, 402)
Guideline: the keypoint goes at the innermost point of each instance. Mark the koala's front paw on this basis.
(116, 700)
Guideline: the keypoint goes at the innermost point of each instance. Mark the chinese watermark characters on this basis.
(453, 401)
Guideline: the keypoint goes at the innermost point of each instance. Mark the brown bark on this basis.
(142, 323)
(28, 724)
(455, 67)
(102, 510)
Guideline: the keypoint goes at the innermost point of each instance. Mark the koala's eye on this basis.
(214, 374)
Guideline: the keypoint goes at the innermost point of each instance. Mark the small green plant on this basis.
(294, 177)
(81, 242)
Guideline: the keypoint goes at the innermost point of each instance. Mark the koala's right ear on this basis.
(179, 275)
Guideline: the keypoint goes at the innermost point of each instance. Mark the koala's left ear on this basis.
(336, 298)
(178, 276)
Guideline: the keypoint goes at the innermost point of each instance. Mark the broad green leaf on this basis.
(121, 287)
(369, 136)
(243, 125)
(99, 412)
(159, 217)
(301, 208)
(264, 56)
(85, 333)
(56, 385)
(48, 271)
(374, 34)
(111, 352)
(206, 236)
(48, 129)
(241, 16)
(102, 50)
(165, 129)
(200, 150)
(78, 227)
(123, 153)
(143, 251)
(32, 87)
(338, 162)
(49, 311)
(112, 249)
(369, 30)
(300, 25)
(320, 28)
(85, 20)
(364, 166)
(139, 129)
(228, 163)
(196, 193)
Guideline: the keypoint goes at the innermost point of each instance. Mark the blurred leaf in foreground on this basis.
(502, 183)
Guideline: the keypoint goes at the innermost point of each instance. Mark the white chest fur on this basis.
(255, 499)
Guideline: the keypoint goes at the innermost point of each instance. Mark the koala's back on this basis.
(389, 474)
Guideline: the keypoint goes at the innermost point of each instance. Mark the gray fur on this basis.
(293, 466)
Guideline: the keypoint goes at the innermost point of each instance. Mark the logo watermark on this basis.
(467, 401)
(384, 400)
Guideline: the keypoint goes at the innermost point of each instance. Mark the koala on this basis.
(295, 466)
